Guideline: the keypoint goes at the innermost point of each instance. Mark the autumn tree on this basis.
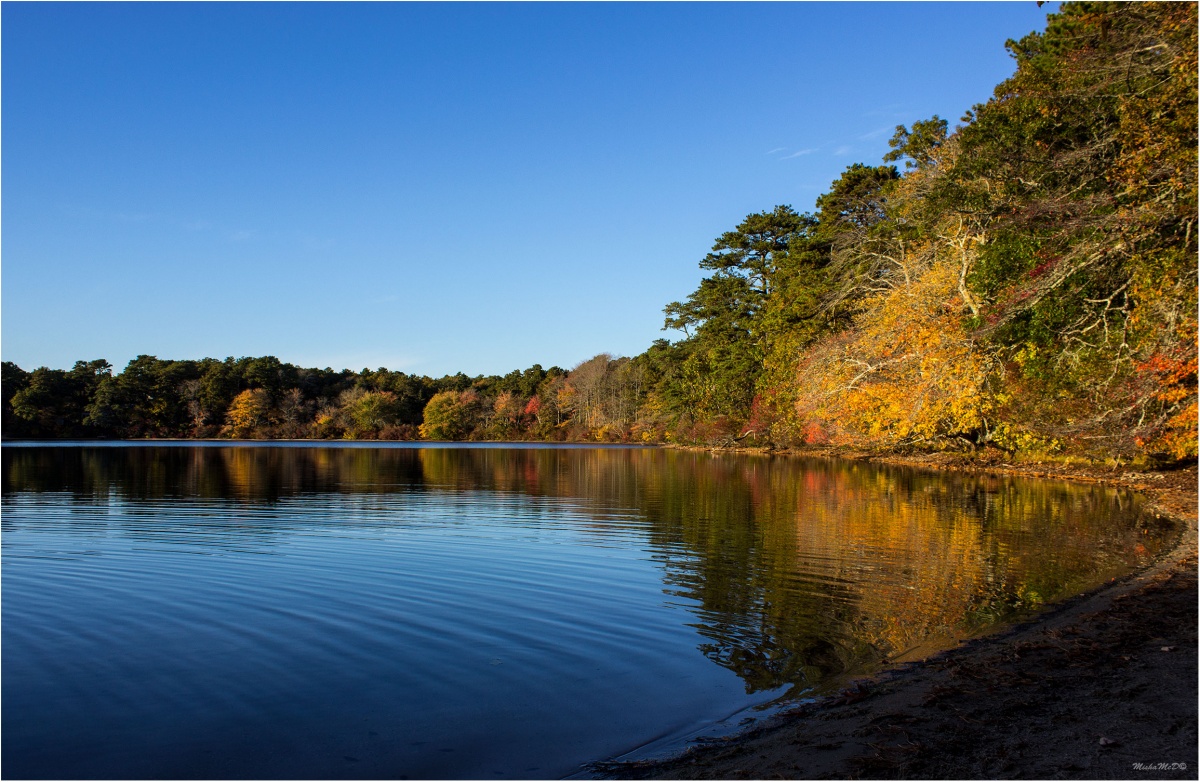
(909, 373)
(247, 414)
(1082, 169)
(451, 415)
(370, 413)
(508, 416)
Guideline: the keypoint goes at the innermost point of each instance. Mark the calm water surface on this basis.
(309, 611)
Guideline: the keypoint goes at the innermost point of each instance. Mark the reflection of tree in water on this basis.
(804, 569)
(251, 474)
(936, 555)
(219, 497)
(794, 570)
(719, 523)
(797, 570)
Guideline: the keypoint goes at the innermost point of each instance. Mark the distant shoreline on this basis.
(339, 443)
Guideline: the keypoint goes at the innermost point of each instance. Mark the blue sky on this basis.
(430, 187)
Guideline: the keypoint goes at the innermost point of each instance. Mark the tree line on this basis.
(1023, 281)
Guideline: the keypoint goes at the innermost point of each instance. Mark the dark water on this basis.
(325, 612)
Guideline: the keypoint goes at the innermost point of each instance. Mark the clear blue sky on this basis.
(430, 187)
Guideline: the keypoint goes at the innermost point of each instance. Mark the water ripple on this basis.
(270, 612)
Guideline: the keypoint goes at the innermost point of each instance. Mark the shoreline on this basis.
(1099, 685)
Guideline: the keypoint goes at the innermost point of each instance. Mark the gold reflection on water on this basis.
(792, 570)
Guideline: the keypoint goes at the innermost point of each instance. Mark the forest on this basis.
(1024, 281)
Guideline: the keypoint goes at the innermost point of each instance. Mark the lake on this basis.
(317, 610)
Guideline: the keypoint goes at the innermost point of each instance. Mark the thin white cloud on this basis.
(875, 133)
(843, 150)
(777, 149)
(798, 154)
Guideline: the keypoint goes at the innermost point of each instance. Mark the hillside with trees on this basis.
(1025, 281)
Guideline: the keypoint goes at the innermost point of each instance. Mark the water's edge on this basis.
(673, 753)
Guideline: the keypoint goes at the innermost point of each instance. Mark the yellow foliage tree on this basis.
(909, 372)
(247, 413)
(451, 415)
